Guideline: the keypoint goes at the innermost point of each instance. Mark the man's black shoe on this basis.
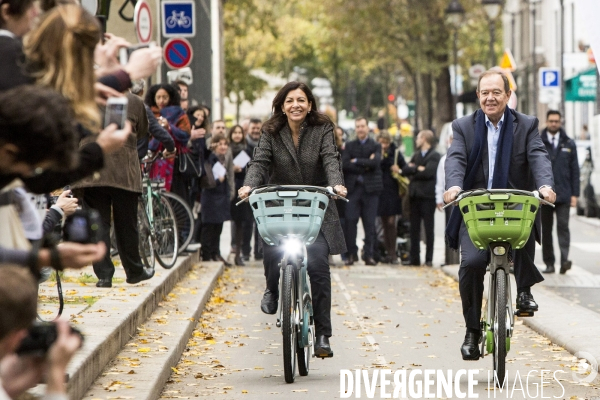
(428, 264)
(322, 347)
(549, 269)
(351, 259)
(370, 261)
(246, 257)
(258, 257)
(470, 347)
(104, 282)
(268, 304)
(564, 267)
(526, 302)
(146, 274)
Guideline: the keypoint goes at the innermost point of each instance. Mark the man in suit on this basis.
(362, 172)
(422, 170)
(495, 147)
(565, 168)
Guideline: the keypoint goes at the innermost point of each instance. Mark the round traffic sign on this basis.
(178, 53)
(142, 18)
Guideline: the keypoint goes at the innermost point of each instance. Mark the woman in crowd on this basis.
(297, 147)
(215, 201)
(241, 214)
(163, 99)
(390, 204)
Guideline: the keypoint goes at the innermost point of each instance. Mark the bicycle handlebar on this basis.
(328, 191)
(479, 192)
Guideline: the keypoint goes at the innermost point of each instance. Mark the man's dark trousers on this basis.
(361, 205)
(421, 210)
(472, 272)
(562, 229)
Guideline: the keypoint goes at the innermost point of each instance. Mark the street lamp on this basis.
(454, 16)
(492, 8)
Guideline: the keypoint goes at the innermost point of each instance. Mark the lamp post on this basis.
(492, 9)
(454, 16)
(533, 10)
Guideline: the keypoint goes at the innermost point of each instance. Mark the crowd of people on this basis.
(57, 72)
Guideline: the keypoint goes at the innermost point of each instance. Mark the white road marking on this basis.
(374, 345)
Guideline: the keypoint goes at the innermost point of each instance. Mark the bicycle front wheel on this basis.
(146, 247)
(165, 232)
(183, 217)
(289, 330)
(500, 327)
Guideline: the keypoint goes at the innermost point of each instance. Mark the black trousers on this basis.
(362, 205)
(210, 240)
(124, 206)
(472, 272)
(563, 233)
(421, 210)
(320, 279)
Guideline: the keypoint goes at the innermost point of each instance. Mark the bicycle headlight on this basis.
(499, 250)
(292, 246)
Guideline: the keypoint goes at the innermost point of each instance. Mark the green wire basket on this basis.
(499, 217)
(288, 213)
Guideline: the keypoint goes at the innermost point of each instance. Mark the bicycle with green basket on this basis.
(499, 220)
(291, 216)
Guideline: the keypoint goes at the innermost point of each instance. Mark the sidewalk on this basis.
(109, 317)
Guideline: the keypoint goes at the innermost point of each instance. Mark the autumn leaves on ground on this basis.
(395, 318)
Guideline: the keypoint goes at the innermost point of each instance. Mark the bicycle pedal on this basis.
(524, 313)
(325, 356)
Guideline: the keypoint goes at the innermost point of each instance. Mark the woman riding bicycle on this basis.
(297, 147)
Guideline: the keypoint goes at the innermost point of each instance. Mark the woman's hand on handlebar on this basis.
(340, 190)
(451, 194)
(244, 192)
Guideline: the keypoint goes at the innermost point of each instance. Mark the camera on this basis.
(83, 226)
(40, 338)
(125, 52)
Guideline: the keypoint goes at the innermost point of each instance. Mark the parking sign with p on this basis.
(549, 78)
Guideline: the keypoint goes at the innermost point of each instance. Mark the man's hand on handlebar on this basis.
(451, 194)
(548, 194)
(244, 192)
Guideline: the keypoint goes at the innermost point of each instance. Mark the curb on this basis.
(188, 299)
(105, 342)
(567, 324)
(589, 221)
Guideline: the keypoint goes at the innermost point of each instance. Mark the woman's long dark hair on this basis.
(174, 98)
(278, 120)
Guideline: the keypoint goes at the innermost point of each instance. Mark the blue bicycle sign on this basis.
(178, 18)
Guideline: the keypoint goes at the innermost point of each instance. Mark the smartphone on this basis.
(125, 52)
(116, 112)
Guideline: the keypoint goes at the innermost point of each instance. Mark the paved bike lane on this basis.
(396, 318)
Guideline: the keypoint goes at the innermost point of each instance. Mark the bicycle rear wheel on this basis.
(184, 218)
(500, 327)
(289, 330)
(146, 248)
(165, 231)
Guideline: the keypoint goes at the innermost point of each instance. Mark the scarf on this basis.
(501, 166)
(236, 148)
(251, 142)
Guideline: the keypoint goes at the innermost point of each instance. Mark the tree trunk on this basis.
(428, 93)
(415, 78)
(238, 104)
(443, 100)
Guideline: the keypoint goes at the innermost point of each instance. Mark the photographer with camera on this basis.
(28, 354)
(36, 132)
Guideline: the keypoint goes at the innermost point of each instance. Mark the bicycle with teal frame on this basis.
(499, 220)
(291, 216)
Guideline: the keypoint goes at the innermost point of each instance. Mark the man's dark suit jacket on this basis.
(369, 168)
(530, 166)
(422, 183)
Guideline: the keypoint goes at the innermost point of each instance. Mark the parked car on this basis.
(587, 203)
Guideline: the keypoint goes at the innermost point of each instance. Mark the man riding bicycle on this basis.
(494, 148)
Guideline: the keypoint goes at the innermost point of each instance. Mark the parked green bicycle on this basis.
(291, 216)
(499, 220)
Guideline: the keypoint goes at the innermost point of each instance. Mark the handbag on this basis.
(207, 180)
(188, 166)
(402, 180)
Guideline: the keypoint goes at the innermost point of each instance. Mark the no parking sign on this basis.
(178, 53)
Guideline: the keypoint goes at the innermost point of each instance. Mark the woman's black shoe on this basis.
(239, 261)
(268, 304)
(322, 347)
(218, 257)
